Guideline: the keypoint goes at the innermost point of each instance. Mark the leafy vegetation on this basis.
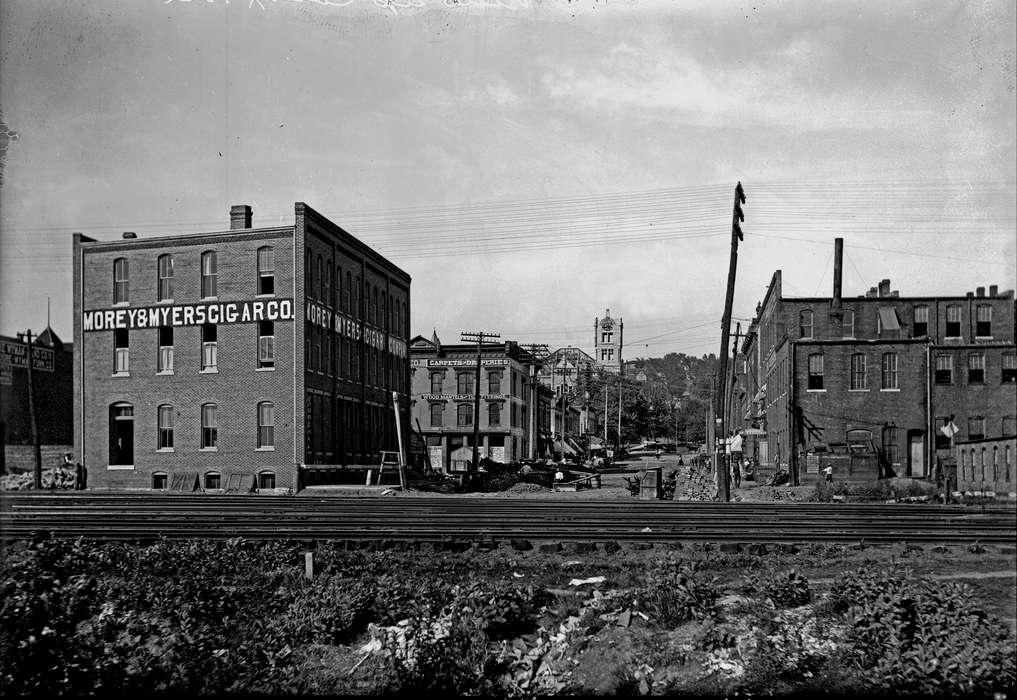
(197, 617)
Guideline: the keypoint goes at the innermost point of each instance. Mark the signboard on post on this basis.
(16, 355)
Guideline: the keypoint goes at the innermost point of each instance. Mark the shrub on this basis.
(329, 610)
(917, 636)
(787, 590)
(677, 592)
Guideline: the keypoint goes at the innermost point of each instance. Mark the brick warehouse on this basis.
(881, 370)
(260, 358)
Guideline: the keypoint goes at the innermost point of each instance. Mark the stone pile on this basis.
(695, 483)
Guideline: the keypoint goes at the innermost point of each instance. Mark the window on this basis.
(309, 273)
(942, 441)
(1007, 461)
(209, 347)
(464, 414)
(165, 278)
(213, 481)
(605, 337)
(121, 435)
(494, 382)
(816, 371)
(995, 463)
(160, 481)
(848, 324)
(464, 383)
(165, 421)
(944, 369)
(1009, 427)
(437, 379)
(209, 426)
(209, 275)
(121, 351)
(953, 321)
(890, 447)
(266, 343)
(322, 284)
(887, 322)
(436, 414)
(266, 425)
(920, 326)
(494, 414)
(983, 321)
(858, 371)
(266, 480)
(610, 354)
(976, 427)
(976, 369)
(165, 349)
(121, 284)
(890, 370)
(1009, 367)
(266, 270)
(805, 324)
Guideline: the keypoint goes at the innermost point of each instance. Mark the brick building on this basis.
(249, 358)
(53, 394)
(987, 465)
(443, 392)
(880, 369)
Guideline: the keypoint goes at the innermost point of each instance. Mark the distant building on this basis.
(881, 369)
(608, 342)
(251, 358)
(53, 397)
(568, 373)
(443, 395)
(987, 464)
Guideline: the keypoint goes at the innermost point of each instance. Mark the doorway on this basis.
(121, 434)
(916, 454)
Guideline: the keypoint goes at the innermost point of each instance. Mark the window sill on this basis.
(212, 298)
(121, 304)
(265, 449)
(208, 449)
(120, 467)
(890, 390)
(164, 301)
(983, 337)
(272, 296)
(264, 369)
(815, 391)
(164, 373)
(214, 370)
(857, 391)
(120, 374)
(164, 450)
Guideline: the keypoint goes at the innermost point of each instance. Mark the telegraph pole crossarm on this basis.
(479, 338)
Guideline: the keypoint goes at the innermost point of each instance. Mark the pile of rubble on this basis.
(694, 482)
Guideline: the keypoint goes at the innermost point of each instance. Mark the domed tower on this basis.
(608, 340)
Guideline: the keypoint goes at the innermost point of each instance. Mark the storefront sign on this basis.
(189, 314)
(16, 355)
(485, 361)
(460, 397)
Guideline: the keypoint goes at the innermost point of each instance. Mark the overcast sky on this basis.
(529, 164)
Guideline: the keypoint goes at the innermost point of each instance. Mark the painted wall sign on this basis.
(460, 397)
(348, 327)
(189, 314)
(16, 355)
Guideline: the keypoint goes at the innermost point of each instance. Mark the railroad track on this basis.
(145, 516)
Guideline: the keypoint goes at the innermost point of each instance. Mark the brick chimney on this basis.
(979, 291)
(838, 268)
(240, 216)
(993, 290)
(872, 292)
(884, 288)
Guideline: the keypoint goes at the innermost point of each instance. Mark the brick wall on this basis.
(22, 457)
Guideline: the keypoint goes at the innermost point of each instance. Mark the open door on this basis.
(916, 454)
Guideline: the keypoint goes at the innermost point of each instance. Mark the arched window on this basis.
(858, 379)
(1007, 461)
(981, 463)
(121, 434)
(464, 414)
(494, 414)
(209, 275)
(209, 426)
(121, 282)
(309, 274)
(436, 410)
(165, 423)
(890, 370)
(847, 324)
(165, 277)
(213, 481)
(266, 270)
(340, 303)
(995, 464)
(160, 481)
(805, 324)
(322, 281)
(266, 480)
(266, 425)
(890, 446)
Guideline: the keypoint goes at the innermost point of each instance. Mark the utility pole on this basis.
(725, 332)
(731, 417)
(26, 338)
(479, 338)
(536, 350)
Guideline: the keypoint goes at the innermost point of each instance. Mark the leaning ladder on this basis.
(393, 459)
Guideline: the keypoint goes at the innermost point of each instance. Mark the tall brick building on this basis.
(879, 369)
(608, 342)
(249, 358)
